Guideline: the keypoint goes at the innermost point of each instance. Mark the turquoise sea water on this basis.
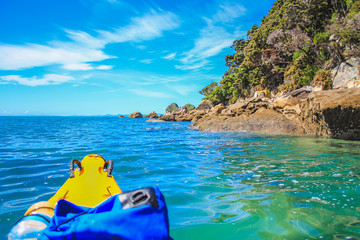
(216, 185)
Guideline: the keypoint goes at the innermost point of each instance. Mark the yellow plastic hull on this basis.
(89, 186)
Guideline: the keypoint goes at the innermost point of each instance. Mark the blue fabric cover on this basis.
(109, 220)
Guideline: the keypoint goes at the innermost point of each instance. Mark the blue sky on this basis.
(95, 57)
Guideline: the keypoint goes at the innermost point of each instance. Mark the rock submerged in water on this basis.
(121, 116)
(136, 115)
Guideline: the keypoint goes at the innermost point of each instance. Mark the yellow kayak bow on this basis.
(89, 184)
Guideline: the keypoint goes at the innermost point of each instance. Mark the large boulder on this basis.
(289, 102)
(168, 118)
(333, 113)
(205, 104)
(153, 115)
(347, 74)
(262, 94)
(136, 115)
(217, 109)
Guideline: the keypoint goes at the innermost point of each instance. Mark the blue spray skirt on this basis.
(140, 214)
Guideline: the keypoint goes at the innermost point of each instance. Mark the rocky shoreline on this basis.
(329, 113)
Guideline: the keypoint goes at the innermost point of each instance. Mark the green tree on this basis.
(208, 89)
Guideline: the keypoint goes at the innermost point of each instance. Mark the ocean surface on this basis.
(216, 185)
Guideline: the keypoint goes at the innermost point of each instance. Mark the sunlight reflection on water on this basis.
(224, 185)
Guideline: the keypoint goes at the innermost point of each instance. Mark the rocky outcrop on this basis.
(136, 115)
(347, 74)
(205, 104)
(121, 116)
(254, 115)
(261, 121)
(153, 115)
(332, 113)
(184, 116)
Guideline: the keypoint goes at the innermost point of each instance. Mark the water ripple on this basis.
(217, 186)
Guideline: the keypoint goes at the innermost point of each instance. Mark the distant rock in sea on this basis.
(153, 115)
(136, 115)
(121, 116)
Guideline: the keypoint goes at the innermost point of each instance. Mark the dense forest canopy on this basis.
(298, 43)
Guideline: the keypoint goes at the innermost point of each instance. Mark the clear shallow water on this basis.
(216, 185)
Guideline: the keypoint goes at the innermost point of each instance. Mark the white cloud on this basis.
(143, 28)
(228, 12)
(183, 89)
(78, 66)
(15, 57)
(192, 66)
(104, 67)
(212, 40)
(84, 48)
(146, 61)
(47, 79)
(170, 56)
(86, 66)
(147, 93)
(83, 39)
(141, 47)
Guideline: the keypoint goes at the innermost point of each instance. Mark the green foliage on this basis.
(307, 75)
(172, 108)
(208, 89)
(189, 107)
(355, 8)
(219, 95)
(287, 87)
(322, 38)
(323, 79)
(294, 41)
(297, 54)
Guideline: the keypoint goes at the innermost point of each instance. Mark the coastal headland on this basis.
(296, 73)
(329, 113)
